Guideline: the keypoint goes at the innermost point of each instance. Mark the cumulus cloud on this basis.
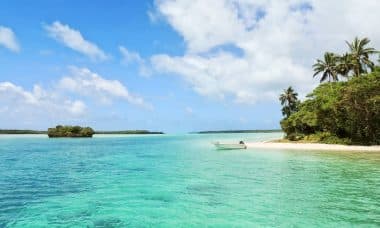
(249, 50)
(8, 39)
(215, 22)
(73, 39)
(64, 100)
(90, 84)
(39, 102)
(130, 57)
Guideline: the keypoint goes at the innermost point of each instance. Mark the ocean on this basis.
(182, 181)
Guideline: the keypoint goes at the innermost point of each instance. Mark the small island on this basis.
(70, 131)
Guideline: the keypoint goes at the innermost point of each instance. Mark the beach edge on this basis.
(310, 146)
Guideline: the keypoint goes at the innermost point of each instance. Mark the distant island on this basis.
(130, 132)
(20, 132)
(238, 131)
(55, 131)
(70, 131)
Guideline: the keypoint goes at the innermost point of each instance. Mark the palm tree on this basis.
(289, 101)
(345, 64)
(360, 55)
(327, 66)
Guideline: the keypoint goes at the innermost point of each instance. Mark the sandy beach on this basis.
(311, 146)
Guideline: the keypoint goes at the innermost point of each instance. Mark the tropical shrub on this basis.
(70, 131)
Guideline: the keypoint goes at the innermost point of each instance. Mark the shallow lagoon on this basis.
(181, 180)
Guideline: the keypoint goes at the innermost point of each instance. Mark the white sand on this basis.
(311, 146)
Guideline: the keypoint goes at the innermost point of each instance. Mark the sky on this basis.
(168, 65)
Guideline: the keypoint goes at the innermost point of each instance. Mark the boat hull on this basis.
(224, 146)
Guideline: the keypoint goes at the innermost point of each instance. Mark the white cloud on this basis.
(274, 43)
(203, 24)
(60, 102)
(130, 57)
(8, 39)
(85, 82)
(224, 75)
(38, 102)
(73, 39)
(76, 107)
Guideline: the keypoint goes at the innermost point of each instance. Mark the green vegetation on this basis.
(354, 63)
(238, 131)
(339, 112)
(70, 131)
(130, 132)
(289, 102)
(18, 132)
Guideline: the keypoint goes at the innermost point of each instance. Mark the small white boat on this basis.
(230, 146)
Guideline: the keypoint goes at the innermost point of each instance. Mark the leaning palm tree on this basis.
(289, 101)
(327, 66)
(361, 56)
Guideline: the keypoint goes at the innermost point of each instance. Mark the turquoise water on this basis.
(182, 181)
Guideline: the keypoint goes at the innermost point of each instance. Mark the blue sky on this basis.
(175, 66)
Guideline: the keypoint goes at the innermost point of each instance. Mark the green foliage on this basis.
(359, 109)
(70, 131)
(328, 67)
(289, 101)
(326, 137)
(339, 112)
(360, 56)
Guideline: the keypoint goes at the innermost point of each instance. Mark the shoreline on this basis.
(310, 146)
